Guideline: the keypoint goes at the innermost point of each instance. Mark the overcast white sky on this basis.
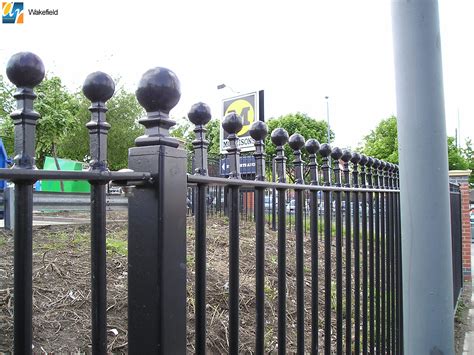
(298, 52)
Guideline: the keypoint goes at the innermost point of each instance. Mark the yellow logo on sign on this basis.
(245, 110)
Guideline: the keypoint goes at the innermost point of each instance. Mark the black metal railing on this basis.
(456, 239)
(352, 288)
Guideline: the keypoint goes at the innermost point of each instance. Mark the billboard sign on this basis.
(247, 106)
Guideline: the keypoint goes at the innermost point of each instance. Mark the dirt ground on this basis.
(61, 288)
(462, 321)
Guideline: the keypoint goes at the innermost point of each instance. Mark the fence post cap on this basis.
(296, 141)
(279, 136)
(325, 150)
(258, 130)
(383, 165)
(336, 153)
(355, 158)
(232, 123)
(312, 146)
(25, 69)
(158, 90)
(370, 161)
(376, 163)
(98, 86)
(363, 159)
(199, 114)
(346, 155)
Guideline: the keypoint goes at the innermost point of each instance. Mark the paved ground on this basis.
(469, 338)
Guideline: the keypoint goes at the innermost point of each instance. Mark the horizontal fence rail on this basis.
(330, 284)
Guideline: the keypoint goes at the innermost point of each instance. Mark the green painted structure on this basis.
(69, 185)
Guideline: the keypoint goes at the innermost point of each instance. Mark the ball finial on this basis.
(232, 123)
(258, 130)
(98, 86)
(346, 155)
(279, 136)
(363, 159)
(336, 153)
(325, 150)
(376, 163)
(199, 114)
(370, 161)
(158, 90)
(296, 141)
(355, 158)
(312, 146)
(25, 69)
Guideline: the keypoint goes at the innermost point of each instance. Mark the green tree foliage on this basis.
(382, 142)
(122, 115)
(296, 123)
(468, 153)
(58, 109)
(7, 105)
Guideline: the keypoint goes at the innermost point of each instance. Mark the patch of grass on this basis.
(117, 246)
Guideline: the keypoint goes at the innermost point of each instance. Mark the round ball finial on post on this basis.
(279, 138)
(98, 86)
(355, 159)
(296, 142)
(312, 147)
(200, 115)
(325, 151)
(232, 124)
(336, 154)
(158, 91)
(258, 131)
(346, 157)
(25, 69)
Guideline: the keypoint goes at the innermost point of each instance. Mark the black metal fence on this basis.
(456, 239)
(346, 228)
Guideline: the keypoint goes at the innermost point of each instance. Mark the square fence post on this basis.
(157, 226)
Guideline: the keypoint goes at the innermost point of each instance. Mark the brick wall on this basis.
(466, 231)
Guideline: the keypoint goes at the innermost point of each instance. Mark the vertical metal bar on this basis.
(325, 151)
(392, 258)
(157, 226)
(258, 131)
(22, 235)
(312, 147)
(98, 269)
(200, 115)
(25, 70)
(388, 267)
(297, 142)
(400, 269)
(232, 124)
(382, 259)
(355, 183)
(370, 199)
(336, 154)
(234, 270)
(346, 156)
(365, 316)
(274, 198)
(377, 257)
(98, 88)
(279, 138)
